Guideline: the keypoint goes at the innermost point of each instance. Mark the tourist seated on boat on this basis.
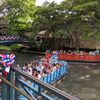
(49, 70)
(97, 52)
(70, 52)
(44, 59)
(58, 65)
(37, 74)
(45, 62)
(92, 53)
(54, 58)
(54, 67)
(29, 71)
(47, 51)
(38, 68)
(25, 67)
(35, 61)
(29, 64)
(42, 68)
(43, 73)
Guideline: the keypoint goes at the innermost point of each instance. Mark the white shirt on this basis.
(29, 71)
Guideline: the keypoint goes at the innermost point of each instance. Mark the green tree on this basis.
(76, 20)
(83, 18)
(20, 15)
(50, 17)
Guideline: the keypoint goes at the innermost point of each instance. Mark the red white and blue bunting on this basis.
(7, 61)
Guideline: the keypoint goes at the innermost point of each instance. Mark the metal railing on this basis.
(21, 90)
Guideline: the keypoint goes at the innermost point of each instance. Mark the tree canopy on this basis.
(20, 14)
(76, 20)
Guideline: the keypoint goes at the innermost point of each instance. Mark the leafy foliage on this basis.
(76, 20)
(20, 14)
(15, 47)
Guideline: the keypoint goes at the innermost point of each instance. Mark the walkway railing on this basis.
(14, 88)
(10, 39)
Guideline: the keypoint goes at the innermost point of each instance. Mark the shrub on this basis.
(15, 47)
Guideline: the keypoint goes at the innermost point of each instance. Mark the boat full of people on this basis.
(47, 70)
(80, 56)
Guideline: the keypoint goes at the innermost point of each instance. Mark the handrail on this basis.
(16, 88)
(54, 90)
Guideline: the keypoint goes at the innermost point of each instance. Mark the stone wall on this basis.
(93, 44)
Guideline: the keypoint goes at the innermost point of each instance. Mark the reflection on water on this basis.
(83, 80)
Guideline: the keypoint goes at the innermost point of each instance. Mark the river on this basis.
(82, 81)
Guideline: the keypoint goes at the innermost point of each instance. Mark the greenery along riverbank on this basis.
(72, 23)
(19, 48)
(5, 48)
(13, 47)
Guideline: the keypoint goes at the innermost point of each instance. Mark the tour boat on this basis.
(51, 78)
(77, 57)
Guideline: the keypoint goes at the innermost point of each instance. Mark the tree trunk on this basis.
(76, 40)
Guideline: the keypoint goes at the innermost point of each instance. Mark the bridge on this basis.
(13, 88)
(10, 39)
